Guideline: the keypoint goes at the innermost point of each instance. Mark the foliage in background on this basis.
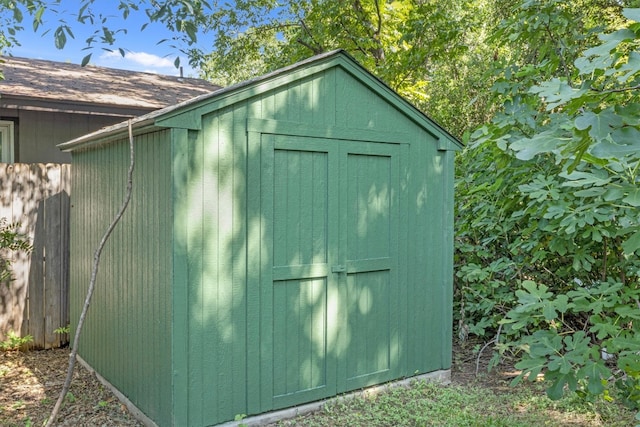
(548, 218)
(431, 52)
(11, 241)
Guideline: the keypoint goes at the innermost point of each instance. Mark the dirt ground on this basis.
(30, 383)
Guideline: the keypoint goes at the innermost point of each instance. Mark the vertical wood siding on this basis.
(128, 329)
(410, 302)
(302, 265)
(214, 210)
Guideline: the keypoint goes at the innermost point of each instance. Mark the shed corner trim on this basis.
(445, 144)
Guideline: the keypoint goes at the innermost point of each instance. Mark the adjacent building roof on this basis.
(28, 80)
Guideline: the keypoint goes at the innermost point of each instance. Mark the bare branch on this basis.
(619, 90)
(316, 48)
(379, 13)
(92, 284)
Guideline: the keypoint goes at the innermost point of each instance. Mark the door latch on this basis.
(339, 269)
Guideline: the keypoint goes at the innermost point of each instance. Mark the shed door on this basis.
(329, 283)
(368, 230)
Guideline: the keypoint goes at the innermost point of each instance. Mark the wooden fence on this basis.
(36, 302)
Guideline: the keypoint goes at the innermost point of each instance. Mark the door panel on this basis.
(300, 207)
(368, 296)
(299, 330)
(370, 238)
(303, 367)
(329, 290)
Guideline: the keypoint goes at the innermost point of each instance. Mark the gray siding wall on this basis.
(38, 132)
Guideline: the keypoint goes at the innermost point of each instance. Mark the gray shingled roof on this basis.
(59, 81)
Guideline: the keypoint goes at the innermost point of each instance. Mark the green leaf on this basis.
(631, 14)
(37, 18)
(528, 148)
(535, 292)
(622, 142)
(532, 367)
(599, 57)
(628, 312)
(107, 36)
(60, 38)
(602, 328)
(556, 92)
(600, 124)
(556, 390)
(611, 41)
(191, 30)
(85, 60)
(632, 244)
(596, 178)
(630, 113)
(628, 70)
(629, 361)
(562, 303)
(17, 14)
(590, 192)
(633, 198)
(549, 312)
(560, 364)
(613, 194)
(595, 372)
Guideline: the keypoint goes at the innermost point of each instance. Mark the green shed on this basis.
(289, 238)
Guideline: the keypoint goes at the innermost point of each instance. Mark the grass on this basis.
(430, 404)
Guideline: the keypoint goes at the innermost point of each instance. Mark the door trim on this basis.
(280, 127)
(260, 148)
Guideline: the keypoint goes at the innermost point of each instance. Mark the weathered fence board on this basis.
(36, 302)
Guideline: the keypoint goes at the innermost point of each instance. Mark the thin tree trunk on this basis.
(92, 284)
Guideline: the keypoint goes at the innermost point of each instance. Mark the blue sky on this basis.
(143, 53)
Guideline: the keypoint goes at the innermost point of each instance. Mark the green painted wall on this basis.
(287, 241)
(228, 241)
(127, 335)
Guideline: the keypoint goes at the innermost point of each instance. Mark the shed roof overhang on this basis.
(187, 114)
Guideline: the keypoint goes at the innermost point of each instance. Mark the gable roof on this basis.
(174, 116)
(47, 83)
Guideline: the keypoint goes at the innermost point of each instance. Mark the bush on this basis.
(548, 219)
(10, 241)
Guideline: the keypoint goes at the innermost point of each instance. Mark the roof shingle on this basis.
(59, 81)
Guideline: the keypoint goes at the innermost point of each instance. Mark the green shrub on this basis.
(10, 241)
(14, 341)
(547, 210)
